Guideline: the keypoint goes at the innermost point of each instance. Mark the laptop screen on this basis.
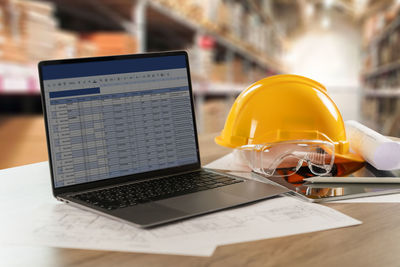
(118, 117)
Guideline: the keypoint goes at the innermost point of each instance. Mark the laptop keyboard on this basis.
(132, 194)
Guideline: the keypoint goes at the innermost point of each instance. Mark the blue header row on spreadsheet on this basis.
(91, 91)
(85, 69)
(75, 92)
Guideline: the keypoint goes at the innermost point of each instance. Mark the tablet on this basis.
(322, 192)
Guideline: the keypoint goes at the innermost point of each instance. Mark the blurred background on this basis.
(350, 46)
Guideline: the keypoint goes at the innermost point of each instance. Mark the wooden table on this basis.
(374, 243)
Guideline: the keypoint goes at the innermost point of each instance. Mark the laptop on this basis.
(122, 140)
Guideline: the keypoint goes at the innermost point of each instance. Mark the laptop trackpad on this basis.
(202, 201)
(149, 213)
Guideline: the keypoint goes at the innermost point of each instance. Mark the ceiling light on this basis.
(359, 5)
(328, 3)
(309, 11)
(326, 23)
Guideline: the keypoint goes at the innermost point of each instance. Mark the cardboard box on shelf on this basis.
(218, 72)
(86, 49)
(112, 43)
(2, 31)
(368, 30)
(229, 19)
(223, 18)
(370, 109)
(36, 50)
(209, 10)
(237, 26)
(257, 74)
(238, 72)
(65, 44)
(29, 30)
(190, 9)
(253, 26)
(195, 11)
(13, 51)
(215, 112)
(43, 7)
(31, 17)
(10, 13)
(204, 60)
(2, 22)
(175, 4)
(37, 33)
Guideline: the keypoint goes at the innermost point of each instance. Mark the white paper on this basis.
(376, 149)
(64, 226)
(228, 162)
(37, 219)
(60, 225)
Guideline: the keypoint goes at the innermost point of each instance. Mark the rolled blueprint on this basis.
(376, 149)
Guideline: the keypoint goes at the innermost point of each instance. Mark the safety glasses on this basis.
(286, 158)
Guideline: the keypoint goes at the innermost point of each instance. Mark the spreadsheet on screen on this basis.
(117, 118)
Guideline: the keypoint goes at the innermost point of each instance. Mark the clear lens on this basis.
(286, 158)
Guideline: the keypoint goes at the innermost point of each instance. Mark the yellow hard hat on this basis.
(284, 108)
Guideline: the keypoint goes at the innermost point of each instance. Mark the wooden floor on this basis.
(23, 141)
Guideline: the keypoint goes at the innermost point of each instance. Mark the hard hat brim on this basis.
(349, 157)
(221, 141)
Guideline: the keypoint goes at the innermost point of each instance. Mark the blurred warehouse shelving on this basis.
(381, 74)
(230, 43)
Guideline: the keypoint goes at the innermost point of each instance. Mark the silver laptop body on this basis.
(127, 122)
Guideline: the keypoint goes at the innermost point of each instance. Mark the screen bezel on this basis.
(127, 178)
